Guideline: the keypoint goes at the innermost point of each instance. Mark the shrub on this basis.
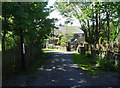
(106, 64)
(100, 40)
(85, 42)
(51, 46)
(63, 44)
(87, 54)
(59, 40)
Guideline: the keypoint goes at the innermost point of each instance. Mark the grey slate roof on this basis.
(71, 29)
(66, 29)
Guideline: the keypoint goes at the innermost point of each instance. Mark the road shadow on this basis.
(61, 71)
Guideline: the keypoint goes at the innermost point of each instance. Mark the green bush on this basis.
(51, 46)
(58, 42)
(87, 54)
(60, 37)
(100, 40)
(106, 64)
(85, 42)
(63, 44)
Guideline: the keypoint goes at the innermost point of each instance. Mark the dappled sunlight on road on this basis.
(60, 70)
(60, 52)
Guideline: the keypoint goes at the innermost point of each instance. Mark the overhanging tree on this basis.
(31, 17)
(94, 17)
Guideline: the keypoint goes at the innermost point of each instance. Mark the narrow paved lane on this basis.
(59, 71)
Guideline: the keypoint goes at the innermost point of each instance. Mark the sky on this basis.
(56, 14)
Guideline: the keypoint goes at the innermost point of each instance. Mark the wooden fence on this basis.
(11, 60)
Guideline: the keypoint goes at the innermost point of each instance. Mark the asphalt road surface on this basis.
(60, 70)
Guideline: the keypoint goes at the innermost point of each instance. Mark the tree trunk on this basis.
(93, 33)
(22, 50)
(93, 25)
(96, 31)
(86, 37)
(116, 35)
(85, 31)
(99, 24)
(90, 39)
(3, 40)
(108, 30)
(89, 32)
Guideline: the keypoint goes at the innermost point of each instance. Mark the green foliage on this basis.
(104, 17)
(85, 42)
(94, 65)
(86, 64)
(51, 46)
(63, 44)
(87, 54)
(105, 40)
(106, 64)
(59, 39)
(29, 16)
(100, 40)
(118, 37)
(32, 19)
(58, 42)
(67, 36)
(38, 63)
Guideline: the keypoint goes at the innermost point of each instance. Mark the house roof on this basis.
(57, 31)
(66, 29)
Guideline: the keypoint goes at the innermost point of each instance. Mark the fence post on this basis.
(118, 61)
(118, 57)
(86, 47)
(22, 47)
(81, 50)
(69, 46)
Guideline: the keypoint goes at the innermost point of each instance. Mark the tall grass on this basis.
(94, 65)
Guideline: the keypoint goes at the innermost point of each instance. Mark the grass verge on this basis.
(88, 65)
(38, 63)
